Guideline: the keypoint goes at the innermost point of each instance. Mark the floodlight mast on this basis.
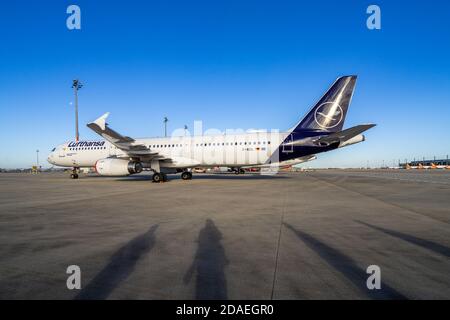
(76, 85)
(165, 126)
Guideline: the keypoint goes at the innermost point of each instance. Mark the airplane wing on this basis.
(127, 144)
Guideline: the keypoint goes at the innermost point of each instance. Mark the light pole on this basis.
(37, 159)
(76, 85)
(165, 126)
(185, 129)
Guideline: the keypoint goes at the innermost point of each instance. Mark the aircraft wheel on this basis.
(157, 177)
(186, 175)
(73, 176)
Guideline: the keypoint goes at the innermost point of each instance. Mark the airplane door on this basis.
(288, 148)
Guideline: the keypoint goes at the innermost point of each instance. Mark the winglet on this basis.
(101, 122)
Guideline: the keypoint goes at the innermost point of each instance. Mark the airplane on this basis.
(119, 155)
(439, 166)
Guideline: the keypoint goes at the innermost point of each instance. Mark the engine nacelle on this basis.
(355, 139)
(117, 167)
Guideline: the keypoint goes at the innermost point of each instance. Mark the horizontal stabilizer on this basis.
(335, 137)
(346, 134)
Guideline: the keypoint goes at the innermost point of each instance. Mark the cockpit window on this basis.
(53, 149)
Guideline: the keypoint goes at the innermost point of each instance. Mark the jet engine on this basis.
(117, 167)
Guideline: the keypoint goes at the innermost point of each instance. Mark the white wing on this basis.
(127, 144)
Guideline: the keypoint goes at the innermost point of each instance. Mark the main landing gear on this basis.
(186, 175)
(159, 177)
(74, 174)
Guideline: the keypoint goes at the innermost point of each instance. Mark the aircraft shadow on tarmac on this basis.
(346, 266)
(120, 266)
(209, 263)
(430, 245)
(208, 177)
(238, 177)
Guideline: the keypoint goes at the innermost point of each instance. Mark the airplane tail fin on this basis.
(328, 114)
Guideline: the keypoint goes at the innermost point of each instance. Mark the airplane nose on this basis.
(50, 158)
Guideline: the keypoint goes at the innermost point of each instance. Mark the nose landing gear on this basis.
(74, 174)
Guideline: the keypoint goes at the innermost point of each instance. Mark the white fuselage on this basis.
(233, 150)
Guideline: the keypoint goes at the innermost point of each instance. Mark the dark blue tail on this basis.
(329, 113)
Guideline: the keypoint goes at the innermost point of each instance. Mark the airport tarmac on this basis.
(306, 235)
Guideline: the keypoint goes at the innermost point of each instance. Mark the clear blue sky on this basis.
(232, 64)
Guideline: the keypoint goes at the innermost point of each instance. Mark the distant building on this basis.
(426, 163)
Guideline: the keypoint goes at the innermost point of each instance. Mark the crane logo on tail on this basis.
(328, 115)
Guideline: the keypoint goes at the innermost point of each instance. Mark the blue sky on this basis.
(231, 64)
